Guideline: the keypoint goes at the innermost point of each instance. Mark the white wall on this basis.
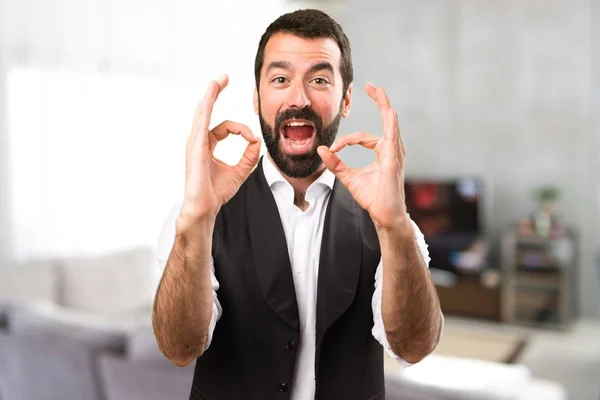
(97, 102)
(497, 88)
(5, 234)
(505, 89)
(594, 111)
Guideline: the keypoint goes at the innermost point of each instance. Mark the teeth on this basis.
(297, 123)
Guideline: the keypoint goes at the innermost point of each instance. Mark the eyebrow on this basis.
(279, 65)
(322, 66)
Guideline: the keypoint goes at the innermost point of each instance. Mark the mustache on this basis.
(307, 114)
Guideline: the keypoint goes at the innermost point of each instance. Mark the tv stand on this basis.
(473, 295)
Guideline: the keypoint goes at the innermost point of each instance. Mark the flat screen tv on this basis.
(448, 212)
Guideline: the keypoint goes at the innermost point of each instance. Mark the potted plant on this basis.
(544, 218)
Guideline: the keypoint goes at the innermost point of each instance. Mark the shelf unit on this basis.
(538, 280)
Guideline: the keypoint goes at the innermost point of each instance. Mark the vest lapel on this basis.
(270, 250)
(340, 258)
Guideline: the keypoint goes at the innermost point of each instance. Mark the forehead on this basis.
(301, 51)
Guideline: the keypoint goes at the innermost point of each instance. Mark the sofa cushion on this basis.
(33, 280)
(453, 378)
(142, 347)
(43, 319)
(126, 380)
(30, 281)
(115, 283)
(47, 367)
(4, 369)
(531, 389)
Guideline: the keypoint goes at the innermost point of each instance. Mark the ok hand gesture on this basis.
(379, 187)
(209, 182)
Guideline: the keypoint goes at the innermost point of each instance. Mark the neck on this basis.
(300, 200)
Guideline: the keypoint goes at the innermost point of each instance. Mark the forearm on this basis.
(184, 300)
(410, 307)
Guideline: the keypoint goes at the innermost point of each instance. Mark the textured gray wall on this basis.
(504, 89)
(594, 145)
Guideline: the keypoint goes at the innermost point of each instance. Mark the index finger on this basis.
(223, 130)
(362, 138)
(390, 125)
(204, 110)
(378, 94)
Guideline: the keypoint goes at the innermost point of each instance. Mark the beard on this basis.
(298, 165)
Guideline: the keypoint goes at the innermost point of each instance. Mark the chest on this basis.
(267, 256)
(303, 232)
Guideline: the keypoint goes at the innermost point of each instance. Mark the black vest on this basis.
(253, 352)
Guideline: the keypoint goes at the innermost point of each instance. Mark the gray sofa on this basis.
(143, 372)
(87, 365)
(125, 379)
(48, 367)
(79, 328)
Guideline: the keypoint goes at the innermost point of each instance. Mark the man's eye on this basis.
(280, 79)
(320, 81)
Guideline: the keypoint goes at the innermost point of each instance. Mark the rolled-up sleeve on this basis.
(166, 241)
(378, 328)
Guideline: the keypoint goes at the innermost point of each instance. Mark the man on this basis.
(289, 273)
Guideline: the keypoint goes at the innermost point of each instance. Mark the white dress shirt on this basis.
(303, 233)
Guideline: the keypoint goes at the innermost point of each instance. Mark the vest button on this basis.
(283, 387)
(291, 345)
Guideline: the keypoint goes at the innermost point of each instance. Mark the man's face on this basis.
(300, 101)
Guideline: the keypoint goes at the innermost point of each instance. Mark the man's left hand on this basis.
(378, 187)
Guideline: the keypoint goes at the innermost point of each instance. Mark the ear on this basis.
(255, 100)
(347, 102)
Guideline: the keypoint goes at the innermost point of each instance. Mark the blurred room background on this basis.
(499, 107)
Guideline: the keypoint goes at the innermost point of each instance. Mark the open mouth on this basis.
(298, 136)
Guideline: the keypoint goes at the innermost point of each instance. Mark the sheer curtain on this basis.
(99, 99)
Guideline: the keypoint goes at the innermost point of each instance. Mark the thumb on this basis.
(249, 158)
(333, 163)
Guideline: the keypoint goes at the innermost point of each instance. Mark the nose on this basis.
(298, 97)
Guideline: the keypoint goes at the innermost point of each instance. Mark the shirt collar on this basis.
(273, 175)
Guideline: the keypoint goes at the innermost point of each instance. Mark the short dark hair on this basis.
(308, 24)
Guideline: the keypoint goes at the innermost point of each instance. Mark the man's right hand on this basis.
(209, 182)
